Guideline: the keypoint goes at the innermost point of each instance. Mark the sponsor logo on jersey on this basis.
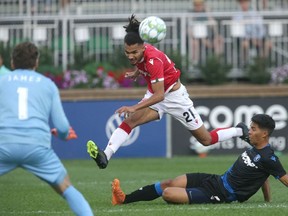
(257, 158)
(247, 160)
(151, 61)
(273, 158)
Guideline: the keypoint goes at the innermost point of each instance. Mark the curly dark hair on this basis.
(132, 36)
(25, 55)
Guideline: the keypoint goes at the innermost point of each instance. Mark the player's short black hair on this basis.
(264, 121)
(132, 36)
(25, 55)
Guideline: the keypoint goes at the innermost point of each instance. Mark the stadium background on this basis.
(93, 30)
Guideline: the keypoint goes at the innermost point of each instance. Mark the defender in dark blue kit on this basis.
(242, 180)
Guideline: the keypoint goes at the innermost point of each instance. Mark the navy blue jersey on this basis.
(250, 171)
(243, 179)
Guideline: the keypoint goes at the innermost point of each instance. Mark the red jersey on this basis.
(156, 66)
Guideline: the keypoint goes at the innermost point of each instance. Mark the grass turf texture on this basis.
(23, 194)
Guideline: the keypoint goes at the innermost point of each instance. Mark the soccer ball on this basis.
(152, 29)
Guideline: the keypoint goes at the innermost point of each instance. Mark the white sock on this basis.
(118, 137)
(228, 133)
(108, 152)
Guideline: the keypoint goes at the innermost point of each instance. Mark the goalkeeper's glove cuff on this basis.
(71, 133)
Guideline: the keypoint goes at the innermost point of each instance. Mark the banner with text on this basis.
(227, 112)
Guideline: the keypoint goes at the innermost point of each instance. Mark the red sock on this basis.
(214, 135)
(124, 126)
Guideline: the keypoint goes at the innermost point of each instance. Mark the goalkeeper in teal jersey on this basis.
(27, 101)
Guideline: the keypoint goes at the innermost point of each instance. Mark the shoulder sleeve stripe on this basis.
(157, 80)
(159, 59)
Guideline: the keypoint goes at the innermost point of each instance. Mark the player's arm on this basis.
(158, 88)
(62, 128)
(266, 191)
(156, 70)
(158, 96)
(132, 74)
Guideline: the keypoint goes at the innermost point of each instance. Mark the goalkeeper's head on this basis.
(25, 56)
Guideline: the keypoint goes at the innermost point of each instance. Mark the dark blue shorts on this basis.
(197, 196)
(203, 188)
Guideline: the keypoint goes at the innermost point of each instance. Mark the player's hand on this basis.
(132, 75)
(125, 111)
(71, 134)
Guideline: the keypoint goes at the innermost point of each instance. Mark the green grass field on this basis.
(23, 194)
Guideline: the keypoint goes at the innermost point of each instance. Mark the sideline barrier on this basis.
(96, 120)
(227, 112)
(219, 106)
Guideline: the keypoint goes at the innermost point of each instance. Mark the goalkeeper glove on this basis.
(71, 133)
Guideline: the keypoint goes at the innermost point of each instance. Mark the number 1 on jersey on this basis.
(22, 103)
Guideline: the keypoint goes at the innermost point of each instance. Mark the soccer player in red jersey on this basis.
(165, 94)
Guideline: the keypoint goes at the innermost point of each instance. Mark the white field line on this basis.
(35, 213)
(179, 208)
(168, 209)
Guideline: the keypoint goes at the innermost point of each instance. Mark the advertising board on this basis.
(227, 112)
(96, 120)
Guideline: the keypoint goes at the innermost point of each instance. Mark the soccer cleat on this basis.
(118, 196)
(245, 130)
(97, 154)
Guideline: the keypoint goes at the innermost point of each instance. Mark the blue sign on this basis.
(96, 120)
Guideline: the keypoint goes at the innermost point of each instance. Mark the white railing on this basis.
(54, 7)
(98, 36)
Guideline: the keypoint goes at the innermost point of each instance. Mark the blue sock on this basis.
(77, 202)
(158, 188)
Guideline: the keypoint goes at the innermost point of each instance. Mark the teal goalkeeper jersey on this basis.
(28, 100)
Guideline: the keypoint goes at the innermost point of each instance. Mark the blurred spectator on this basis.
(260, 5)
(265, 5)
(253, 41)
(40, 6)
(64, 6)
(3, 69)
(210, 41)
